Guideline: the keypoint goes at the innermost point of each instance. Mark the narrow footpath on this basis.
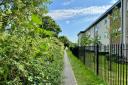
(69, 78)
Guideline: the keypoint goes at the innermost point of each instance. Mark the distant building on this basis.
(103, 28)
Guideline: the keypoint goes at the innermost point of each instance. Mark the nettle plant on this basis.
(29, 55)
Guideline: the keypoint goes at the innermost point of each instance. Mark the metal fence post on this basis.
(84, 53)
(97, 59)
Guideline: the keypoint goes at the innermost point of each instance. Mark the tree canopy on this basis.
(64, 40)
(19, 13)
(49, 24)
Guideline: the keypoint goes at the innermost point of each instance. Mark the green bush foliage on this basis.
(115, 30)
(85, 40)
(29, 55)
(30, 60)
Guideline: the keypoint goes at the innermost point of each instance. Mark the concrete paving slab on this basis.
(69, 78)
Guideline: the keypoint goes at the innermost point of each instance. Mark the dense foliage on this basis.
(115, 26)
(64, 40)
(49, 24)
(29, 55)
(85, 40)
(67, 42)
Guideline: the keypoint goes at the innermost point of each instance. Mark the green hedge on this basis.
(30, 60)
(29, 54)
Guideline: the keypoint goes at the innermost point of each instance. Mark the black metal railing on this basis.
(110, 62)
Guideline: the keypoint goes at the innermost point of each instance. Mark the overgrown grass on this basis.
(116, 76)
(83, 75)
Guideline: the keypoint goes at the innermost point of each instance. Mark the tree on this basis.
(115, 25)
(85, 40)
(18, 13)
(96, 40)
(49, 24)
(64, 40)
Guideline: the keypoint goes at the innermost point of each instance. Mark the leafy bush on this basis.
(29, 55)
(28, 60)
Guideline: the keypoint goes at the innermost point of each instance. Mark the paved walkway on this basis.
(68, 72)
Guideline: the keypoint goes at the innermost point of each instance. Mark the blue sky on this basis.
(74, 16)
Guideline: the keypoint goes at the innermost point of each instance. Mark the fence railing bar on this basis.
(121, 56)
(104, 63)
(126, 64)
(118, 65)
(108, 61)
(113, 63)
(123, 61)
(97, 59)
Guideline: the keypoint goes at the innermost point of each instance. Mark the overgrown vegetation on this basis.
(67, 42)
(83, 75)
(85, 40)
(29, 53)
(115, 26)
(49, 24)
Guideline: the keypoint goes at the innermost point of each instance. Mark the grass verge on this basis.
(83, 75)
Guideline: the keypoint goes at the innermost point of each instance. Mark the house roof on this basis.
(118, 4)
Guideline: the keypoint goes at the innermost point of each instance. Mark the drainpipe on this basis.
(122, 20)
(124, 10)
(124, 25)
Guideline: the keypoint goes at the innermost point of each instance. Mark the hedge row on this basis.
(27, 60)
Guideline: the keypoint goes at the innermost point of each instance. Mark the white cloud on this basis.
(67, 22)
(113, 1)
(62, 14)
(67, 2)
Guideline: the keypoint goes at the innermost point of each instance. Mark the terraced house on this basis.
(111, 27)
(103, 46)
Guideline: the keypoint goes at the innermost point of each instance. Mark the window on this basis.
(96, 30)
(119, 29)
(105, 21)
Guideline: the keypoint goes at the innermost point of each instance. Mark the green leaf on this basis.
(36, 19)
